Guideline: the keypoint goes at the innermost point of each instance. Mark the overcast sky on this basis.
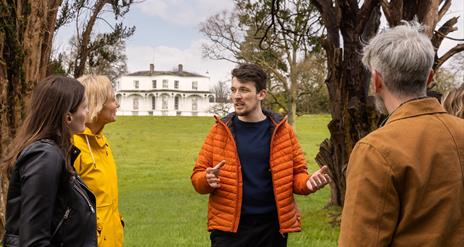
(167, 34)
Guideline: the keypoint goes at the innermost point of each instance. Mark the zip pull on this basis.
(85, 197)
(91, 208)
(65, 217)
(66, 214)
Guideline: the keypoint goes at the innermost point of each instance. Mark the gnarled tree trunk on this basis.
(352, 111)
(26, 33)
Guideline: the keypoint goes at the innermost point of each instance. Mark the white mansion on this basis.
(164, 93)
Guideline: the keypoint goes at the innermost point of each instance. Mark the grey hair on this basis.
(404, 56)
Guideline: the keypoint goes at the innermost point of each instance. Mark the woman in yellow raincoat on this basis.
(95, 164)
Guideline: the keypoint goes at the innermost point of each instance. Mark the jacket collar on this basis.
(275, 117)
(98, 137)
(416, 107)
(276, 120)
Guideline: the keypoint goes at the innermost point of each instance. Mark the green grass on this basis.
(155, 157)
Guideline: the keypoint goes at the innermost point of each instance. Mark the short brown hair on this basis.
(251, 73)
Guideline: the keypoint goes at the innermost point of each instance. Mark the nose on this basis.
(236, 94)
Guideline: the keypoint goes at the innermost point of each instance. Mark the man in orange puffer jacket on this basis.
(251, 164)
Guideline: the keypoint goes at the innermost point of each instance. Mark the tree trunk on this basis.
(353, 114)
(291, 103)
(26, 32)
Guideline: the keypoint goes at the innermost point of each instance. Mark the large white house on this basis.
(164, 93)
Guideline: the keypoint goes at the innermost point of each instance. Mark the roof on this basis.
(158, 73)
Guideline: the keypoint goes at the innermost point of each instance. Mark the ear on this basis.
(262, 94)
(430, 79)
(68, 118)
(377, 81)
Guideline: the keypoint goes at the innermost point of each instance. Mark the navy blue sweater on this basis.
(253, 141)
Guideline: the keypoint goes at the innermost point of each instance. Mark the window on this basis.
(135, 103)
(165, 83)
(153, 83)
(211, 99)
(136, 84)
(164, 100)
(153, 103)
(176, 103)
(176, 84)
(194, 103)
(194, 85)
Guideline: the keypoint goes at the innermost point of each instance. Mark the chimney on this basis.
(180, 68)
(152, 68)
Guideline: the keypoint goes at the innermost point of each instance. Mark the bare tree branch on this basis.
(365, 13)
(444, 30)
(393, 11)
(445, 7)
(331, 18)
(276, 100)
(439, 62)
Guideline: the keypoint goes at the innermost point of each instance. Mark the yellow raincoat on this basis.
(96, 166)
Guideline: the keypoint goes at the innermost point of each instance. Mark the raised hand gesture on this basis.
(212, 175)
(319, 179)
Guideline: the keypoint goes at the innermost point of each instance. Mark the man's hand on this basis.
(212, 175)
(319, 179)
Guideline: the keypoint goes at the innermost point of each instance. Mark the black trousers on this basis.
(253, 231)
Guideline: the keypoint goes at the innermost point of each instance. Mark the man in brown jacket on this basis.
(405, 180)
(250, 165)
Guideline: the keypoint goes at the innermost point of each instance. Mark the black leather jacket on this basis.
(46, 205)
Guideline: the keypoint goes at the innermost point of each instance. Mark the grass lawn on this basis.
(155, 157)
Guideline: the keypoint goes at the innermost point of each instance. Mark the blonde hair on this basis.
(98, 89)
(453, 101)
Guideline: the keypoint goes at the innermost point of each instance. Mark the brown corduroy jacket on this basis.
(405, 182)
(287, 164)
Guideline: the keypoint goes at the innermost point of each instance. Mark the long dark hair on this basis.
(51, 100)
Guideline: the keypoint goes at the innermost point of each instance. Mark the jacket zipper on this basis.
(65, 217)
(272, 174)
(239, 168)
(83, 195)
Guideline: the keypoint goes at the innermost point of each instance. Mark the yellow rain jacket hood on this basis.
(96, 166)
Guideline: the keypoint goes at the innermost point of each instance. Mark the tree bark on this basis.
(26, 32)
(353, 114)
(352, 111)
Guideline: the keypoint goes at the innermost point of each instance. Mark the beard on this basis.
(243, 113)
(247, 110)
(380, 105)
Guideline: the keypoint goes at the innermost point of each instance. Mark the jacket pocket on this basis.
(60, 223)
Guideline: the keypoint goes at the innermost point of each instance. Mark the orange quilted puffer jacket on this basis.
(288, 167)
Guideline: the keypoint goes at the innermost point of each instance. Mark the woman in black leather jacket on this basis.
(47, 203)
